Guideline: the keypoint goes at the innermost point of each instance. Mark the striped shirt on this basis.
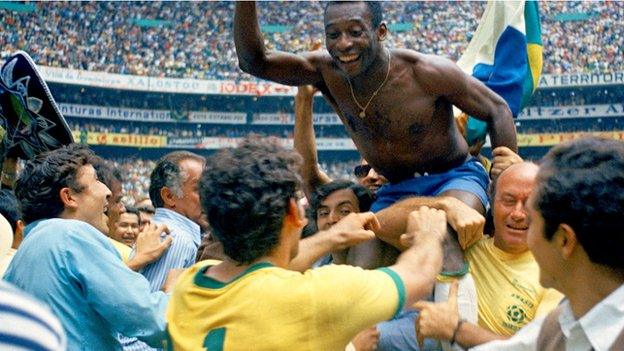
(181, 254)
(26, 324)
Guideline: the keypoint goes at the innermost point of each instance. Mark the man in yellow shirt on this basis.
(505, 273)
(251, 301)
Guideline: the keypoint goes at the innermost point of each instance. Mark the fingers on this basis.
(419, 336)
(452, 298)
(420, 305)
(501, 151)
(167, 242)
(369, 221)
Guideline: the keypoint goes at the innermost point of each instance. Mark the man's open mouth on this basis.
(348, 58)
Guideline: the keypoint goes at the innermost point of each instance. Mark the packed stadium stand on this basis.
(175, 83)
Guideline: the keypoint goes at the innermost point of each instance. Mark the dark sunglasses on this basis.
(361, 171)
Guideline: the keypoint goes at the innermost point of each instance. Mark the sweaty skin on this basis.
(409, 125)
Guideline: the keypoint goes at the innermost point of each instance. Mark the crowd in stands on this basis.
(193, 39)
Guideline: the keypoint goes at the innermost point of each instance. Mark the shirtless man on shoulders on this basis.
(396, 106)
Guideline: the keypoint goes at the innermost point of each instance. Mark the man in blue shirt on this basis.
(65, 261)
(174, 192)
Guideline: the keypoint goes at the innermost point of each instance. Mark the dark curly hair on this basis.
(245, 193)
(373, 6)
(38, 185)
(581, 184)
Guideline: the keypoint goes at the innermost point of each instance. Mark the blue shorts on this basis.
(471, 177)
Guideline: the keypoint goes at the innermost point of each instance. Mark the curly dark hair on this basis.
(38, 185)
(581, 184)
(245, 193)
(373, 6)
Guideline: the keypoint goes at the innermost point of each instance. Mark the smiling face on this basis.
(511, 219)
(335, 207)
(351, 38)
(127, 228)
(92, 201)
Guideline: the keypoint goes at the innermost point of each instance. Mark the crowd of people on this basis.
(193, 39)
(428, 246)
(102, 238)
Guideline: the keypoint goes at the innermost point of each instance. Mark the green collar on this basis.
(206, 282)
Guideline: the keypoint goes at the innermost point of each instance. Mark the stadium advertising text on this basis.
(120, 139)
(289, 118)
(260, 88)
(538, 112)
(106, 112)
(218, 117)
(580, 79)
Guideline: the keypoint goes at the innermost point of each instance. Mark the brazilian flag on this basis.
(505, 53)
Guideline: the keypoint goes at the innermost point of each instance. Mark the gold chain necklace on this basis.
(363, 112)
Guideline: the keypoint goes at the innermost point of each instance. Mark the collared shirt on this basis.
(26, 324)
(75, 269)
(597, 329)
(181, 254)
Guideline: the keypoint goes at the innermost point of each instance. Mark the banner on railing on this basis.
(120, 113)
(120, 139)
(581, 79)
(218, 117)
(282, 118)
(550, 139)
(539, 112)
(259, 88)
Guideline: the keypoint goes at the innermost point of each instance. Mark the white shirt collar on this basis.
(601, 325)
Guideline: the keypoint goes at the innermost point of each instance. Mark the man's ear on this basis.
(382, 31)
(566, 240)
(67, 197)
(294, 214)
(168, 197)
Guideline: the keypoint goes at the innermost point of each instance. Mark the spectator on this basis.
(505, 273)
(79, 273)
(127, 228)
(249, 195)
(576, 212)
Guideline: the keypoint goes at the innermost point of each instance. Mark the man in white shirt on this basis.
(577, 210)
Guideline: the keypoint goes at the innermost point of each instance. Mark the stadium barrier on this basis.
(260, 88)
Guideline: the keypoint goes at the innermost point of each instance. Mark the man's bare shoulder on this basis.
(432, 70)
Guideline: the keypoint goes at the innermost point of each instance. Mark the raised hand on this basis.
(149, 247)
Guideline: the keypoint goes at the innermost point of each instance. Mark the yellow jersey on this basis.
(270, 308)
(508, 288)
(123, 249)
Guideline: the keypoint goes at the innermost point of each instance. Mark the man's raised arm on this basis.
(473, 97)
(305, 141)
(277, 66)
